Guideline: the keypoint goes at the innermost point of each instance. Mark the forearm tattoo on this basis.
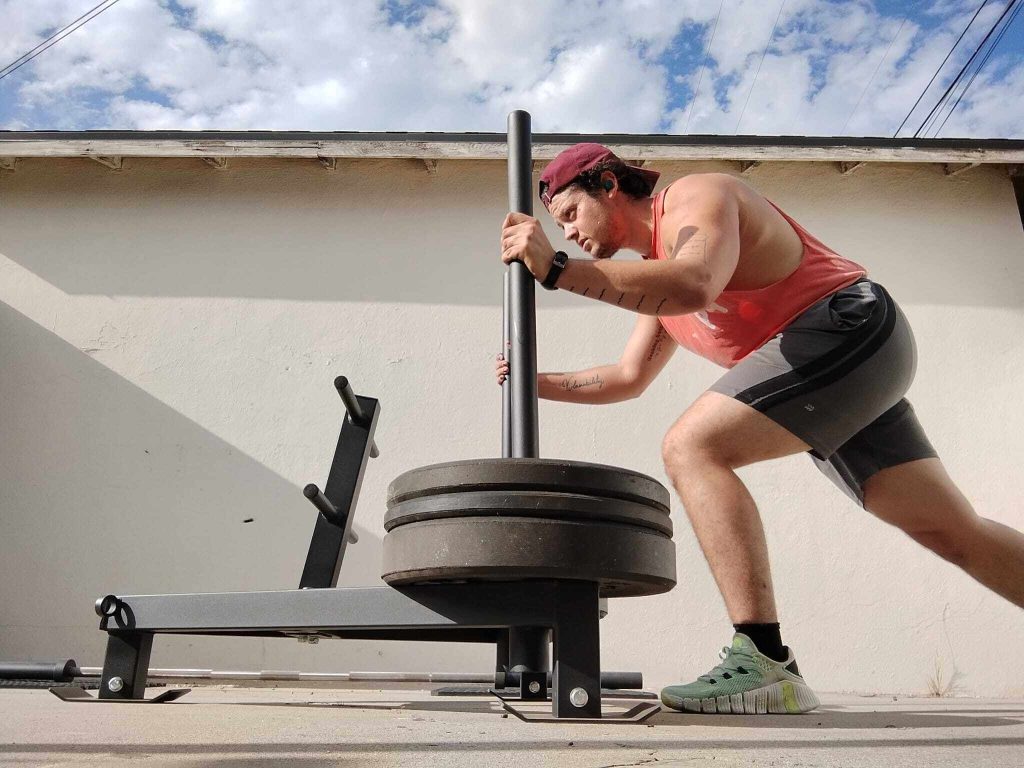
(657, 344)
(622, 297)
(571, 384)
(643, 302)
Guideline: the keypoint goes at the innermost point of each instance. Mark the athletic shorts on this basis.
(835, 377)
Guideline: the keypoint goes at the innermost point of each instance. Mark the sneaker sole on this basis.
(782, 698)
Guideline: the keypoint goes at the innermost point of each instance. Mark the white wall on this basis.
(169, 334)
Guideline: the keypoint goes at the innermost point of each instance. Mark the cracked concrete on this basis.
(226, 727)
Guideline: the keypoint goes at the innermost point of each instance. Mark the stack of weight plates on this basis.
(514, 519)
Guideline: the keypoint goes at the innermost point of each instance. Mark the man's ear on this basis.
(608, 181)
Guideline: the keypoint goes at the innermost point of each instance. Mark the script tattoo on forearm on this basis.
(657, 344)
(660, 305)
(571, 384)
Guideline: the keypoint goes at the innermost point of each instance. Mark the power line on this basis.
(984, 61)
(956, 80)
(767, 45)
(696, 93)
(50, 38)
(936, 74)
(872, 78)
(25, 58)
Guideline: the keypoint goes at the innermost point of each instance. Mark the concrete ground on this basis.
(227, 727)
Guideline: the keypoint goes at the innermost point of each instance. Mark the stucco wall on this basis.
(169, 334)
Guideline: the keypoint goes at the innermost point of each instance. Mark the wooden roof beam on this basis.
(955, 169)
(113, 162)
(845, 169)
(217, 163)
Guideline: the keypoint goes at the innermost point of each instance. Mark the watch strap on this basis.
(557, 265)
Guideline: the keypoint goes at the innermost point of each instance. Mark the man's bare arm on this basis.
(594, 386)
(702, 224)
(647, 351)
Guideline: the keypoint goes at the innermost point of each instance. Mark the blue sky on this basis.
(583, 66)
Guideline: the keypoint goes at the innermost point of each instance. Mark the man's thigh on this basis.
(917, 497)
(722, 428)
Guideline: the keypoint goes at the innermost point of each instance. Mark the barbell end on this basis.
(108, 606)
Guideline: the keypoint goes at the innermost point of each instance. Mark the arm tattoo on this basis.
(601, 295)
(619, 302)
(658, 308)
(572, 384)
(695, 245)
(640, 302)
(656, 345)
(586, 291)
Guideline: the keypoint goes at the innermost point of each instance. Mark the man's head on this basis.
(586, 188)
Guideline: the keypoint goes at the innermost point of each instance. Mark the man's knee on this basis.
(948, 544)
(683, 449)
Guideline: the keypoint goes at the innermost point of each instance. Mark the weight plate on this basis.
(562, 506)
(626, 561)
(555, 475)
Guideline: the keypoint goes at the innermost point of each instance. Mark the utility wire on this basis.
(984, 61)
(50, 38)
(56, 37)
(696, 92)
(933, 116)
(872, 78)
(956, 80)
(770, 38)
(936, 74)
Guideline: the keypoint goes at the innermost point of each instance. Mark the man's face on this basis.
(588, 221)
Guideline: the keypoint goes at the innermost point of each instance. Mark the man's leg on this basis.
(919, 498)
(715, 436)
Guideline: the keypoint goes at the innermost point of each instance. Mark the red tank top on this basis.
(738, 322)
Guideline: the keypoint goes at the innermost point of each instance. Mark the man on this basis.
(818, 357)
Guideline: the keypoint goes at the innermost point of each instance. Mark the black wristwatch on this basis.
(561, 259)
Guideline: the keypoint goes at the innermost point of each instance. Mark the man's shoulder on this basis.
(707, 187)
(702, 193)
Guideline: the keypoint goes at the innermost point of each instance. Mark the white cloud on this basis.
(461, 65)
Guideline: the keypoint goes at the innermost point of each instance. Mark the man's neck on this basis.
(640, 225)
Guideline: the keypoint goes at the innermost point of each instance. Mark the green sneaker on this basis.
(746, 682)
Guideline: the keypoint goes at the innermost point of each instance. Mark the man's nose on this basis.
(570, 232)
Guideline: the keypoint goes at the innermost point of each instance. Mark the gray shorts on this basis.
(835, 377)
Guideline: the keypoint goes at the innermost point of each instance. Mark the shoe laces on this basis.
(731, 665)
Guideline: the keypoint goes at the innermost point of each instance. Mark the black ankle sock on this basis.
(767, 638)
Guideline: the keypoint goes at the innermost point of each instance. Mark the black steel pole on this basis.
(528, 647)
(522, 305)
(506, 387)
